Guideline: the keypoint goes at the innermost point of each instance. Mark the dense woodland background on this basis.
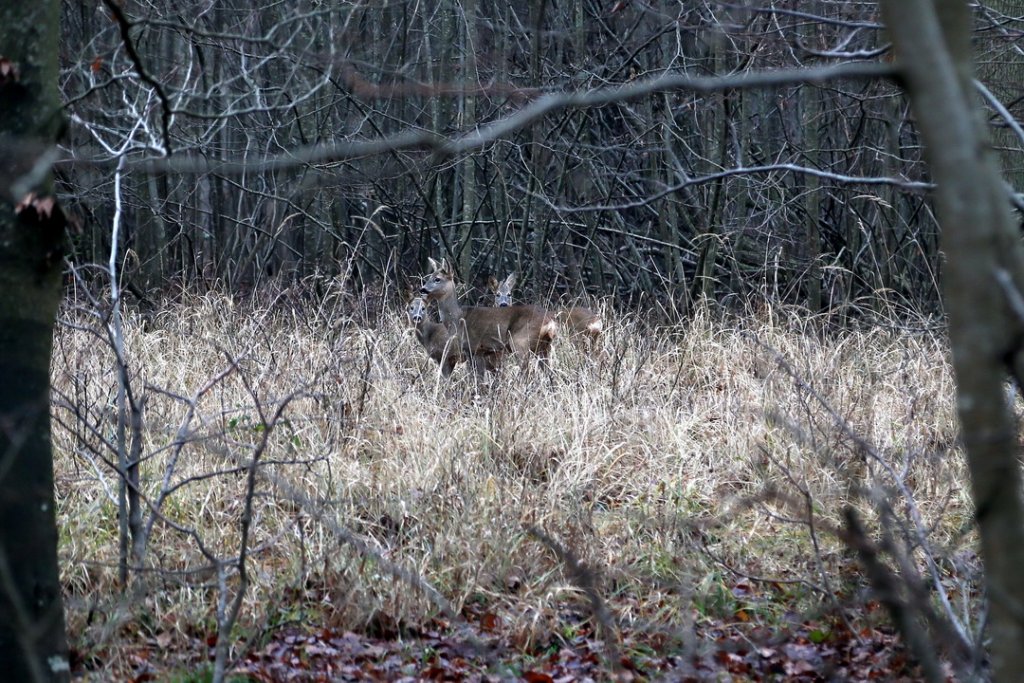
(232, 471)
(814, 194)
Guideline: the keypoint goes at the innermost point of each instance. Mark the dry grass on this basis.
(675, 461)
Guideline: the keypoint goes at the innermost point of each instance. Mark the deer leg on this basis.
(481, 363)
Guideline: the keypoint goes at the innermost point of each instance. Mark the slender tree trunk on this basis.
(33, 645)
(447, 190)
(811, 111)
(811, 100)
(152, 236)
(531, 223)
(717, 134)
(469, 194)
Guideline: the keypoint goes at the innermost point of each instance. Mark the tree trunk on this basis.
(811, 111)
(33, 646)
(983, 281)
(470, 40)
(717, 134)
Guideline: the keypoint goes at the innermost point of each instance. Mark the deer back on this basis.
(520, 329)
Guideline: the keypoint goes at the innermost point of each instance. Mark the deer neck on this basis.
(449, 309)
(423, 331)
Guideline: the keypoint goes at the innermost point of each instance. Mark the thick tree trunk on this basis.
(33, 645)
(983, 282)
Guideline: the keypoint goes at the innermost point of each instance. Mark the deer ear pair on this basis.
(507, 285)
(442, 267)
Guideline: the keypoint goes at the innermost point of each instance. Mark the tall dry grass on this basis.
(675, 461)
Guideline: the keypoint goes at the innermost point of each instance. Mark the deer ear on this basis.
(510, 280)
(433, 265)
(445, 268)
(492, 283)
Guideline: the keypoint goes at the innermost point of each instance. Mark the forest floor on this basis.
(480, 650)
(675, 504)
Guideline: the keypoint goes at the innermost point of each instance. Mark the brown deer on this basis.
(486, 334)
(576, 320)
(434, 337)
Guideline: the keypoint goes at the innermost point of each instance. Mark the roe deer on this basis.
(434, 337)
(577, 319)
(486, 334)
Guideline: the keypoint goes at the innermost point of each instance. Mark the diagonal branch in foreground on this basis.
(443, 146)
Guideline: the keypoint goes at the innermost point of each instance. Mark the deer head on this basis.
(502, 290)
(417, 310)
(440, 283)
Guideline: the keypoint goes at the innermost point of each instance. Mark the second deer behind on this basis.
(434, 337)
(576, 319)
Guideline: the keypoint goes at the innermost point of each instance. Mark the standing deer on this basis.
(486, 334)
(434, 337)
(577, 319)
